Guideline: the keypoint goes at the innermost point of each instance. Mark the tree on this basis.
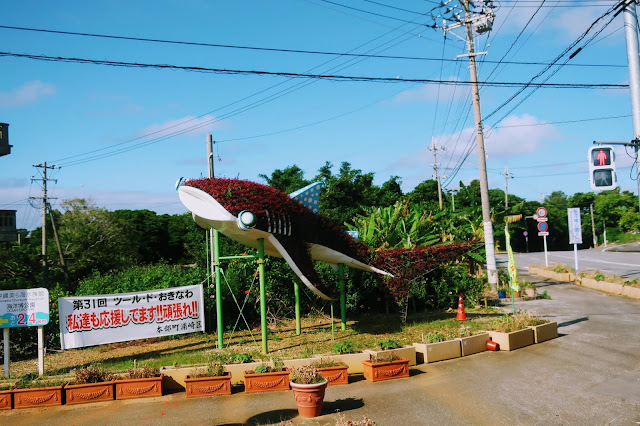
(288, 180)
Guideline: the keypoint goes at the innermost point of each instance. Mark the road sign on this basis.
(525, 233)
(543, 227)
(541, 212)
(535, 216)
(575, 226)
(543, 219)
(542, 234)
(24, 308)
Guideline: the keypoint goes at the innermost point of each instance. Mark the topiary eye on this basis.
(247, 220)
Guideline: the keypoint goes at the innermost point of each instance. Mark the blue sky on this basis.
(69, 114)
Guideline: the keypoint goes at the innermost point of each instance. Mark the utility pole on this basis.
(593, 227)
(435, 149)
(44, 199)
(631, 33)
(482, 22)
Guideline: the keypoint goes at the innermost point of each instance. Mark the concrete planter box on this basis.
(237, 370)
(632, 292)
(290, 363)
(439, 351)
(544, 332)
(514, 340)
(611, 288)
(354, 361)
(556, 276)
(473, 344)
(408, 352)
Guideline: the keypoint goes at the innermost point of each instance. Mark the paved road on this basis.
(588, 375)
(624, 263)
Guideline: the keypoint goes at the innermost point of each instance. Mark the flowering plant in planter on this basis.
(336, 372)
(266, 378)
(308, 389)
(139, 383)
(91, 374)
(143, 372)
(90, 384)
(214, 380)
(305, 375)
(34, 391)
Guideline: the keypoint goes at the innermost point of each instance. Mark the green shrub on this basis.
(345, 347)
(389, 344)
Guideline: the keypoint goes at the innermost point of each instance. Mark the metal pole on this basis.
(593, 227)
(40, 350)
(575, 257)
(263, 296)
(296, 295)
(5, 341)
(343, 297)
(216, 267)
(546, 257)
(214, 236)
(631, 33)
(604, 232)
(482, 165)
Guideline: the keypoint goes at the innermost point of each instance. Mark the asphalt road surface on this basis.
(589, 375)
(623, 262)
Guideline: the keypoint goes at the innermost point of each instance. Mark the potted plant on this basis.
(213, 380)
(512, 331)
(529, 289)
(266, 378)
(335, 371)
(438, 346)
(472, 342)
(140, 382)
(308, 390)
(90, 384)
(34, 391)
(385, 367)
(388, 346)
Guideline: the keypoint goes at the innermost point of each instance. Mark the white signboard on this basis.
(24, 308)
(575, 226)
(109, 318)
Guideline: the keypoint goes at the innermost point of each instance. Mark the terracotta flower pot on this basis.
(266, 382)
(5, 399)
(37, 397)
(89, 392)
(309, 398)
(139, 388)
(530, 291)
(207, 386)
(386, 370)
(336, 375)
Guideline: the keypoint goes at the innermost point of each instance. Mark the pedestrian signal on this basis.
(602, 168)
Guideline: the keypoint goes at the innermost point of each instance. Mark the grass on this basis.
(364, 332)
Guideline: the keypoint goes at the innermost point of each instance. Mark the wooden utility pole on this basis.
(44, 179)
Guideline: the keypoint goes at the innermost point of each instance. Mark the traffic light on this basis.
(602, 168)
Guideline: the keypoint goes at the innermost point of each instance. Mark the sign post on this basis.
(24, 308)
(575, 232)
(543, 229)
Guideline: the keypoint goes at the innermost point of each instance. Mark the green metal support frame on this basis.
(343, 297)
(216, 265)
(263, 296)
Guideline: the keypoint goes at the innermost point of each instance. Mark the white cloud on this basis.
(26, 94)
(575, 21)
(429, 92)
(516, 135)
(192, 126)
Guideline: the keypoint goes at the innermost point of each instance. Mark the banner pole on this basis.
(5, 338)
(40, 350)
(343, 298)
(263, 296)
(216, 266)
(296, 295)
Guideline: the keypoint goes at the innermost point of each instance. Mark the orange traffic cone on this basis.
(462, 315)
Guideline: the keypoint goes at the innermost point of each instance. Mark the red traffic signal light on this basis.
(602, 168)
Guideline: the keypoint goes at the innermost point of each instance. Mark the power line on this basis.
(312, 76)
(373, 13)
(283, 50)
